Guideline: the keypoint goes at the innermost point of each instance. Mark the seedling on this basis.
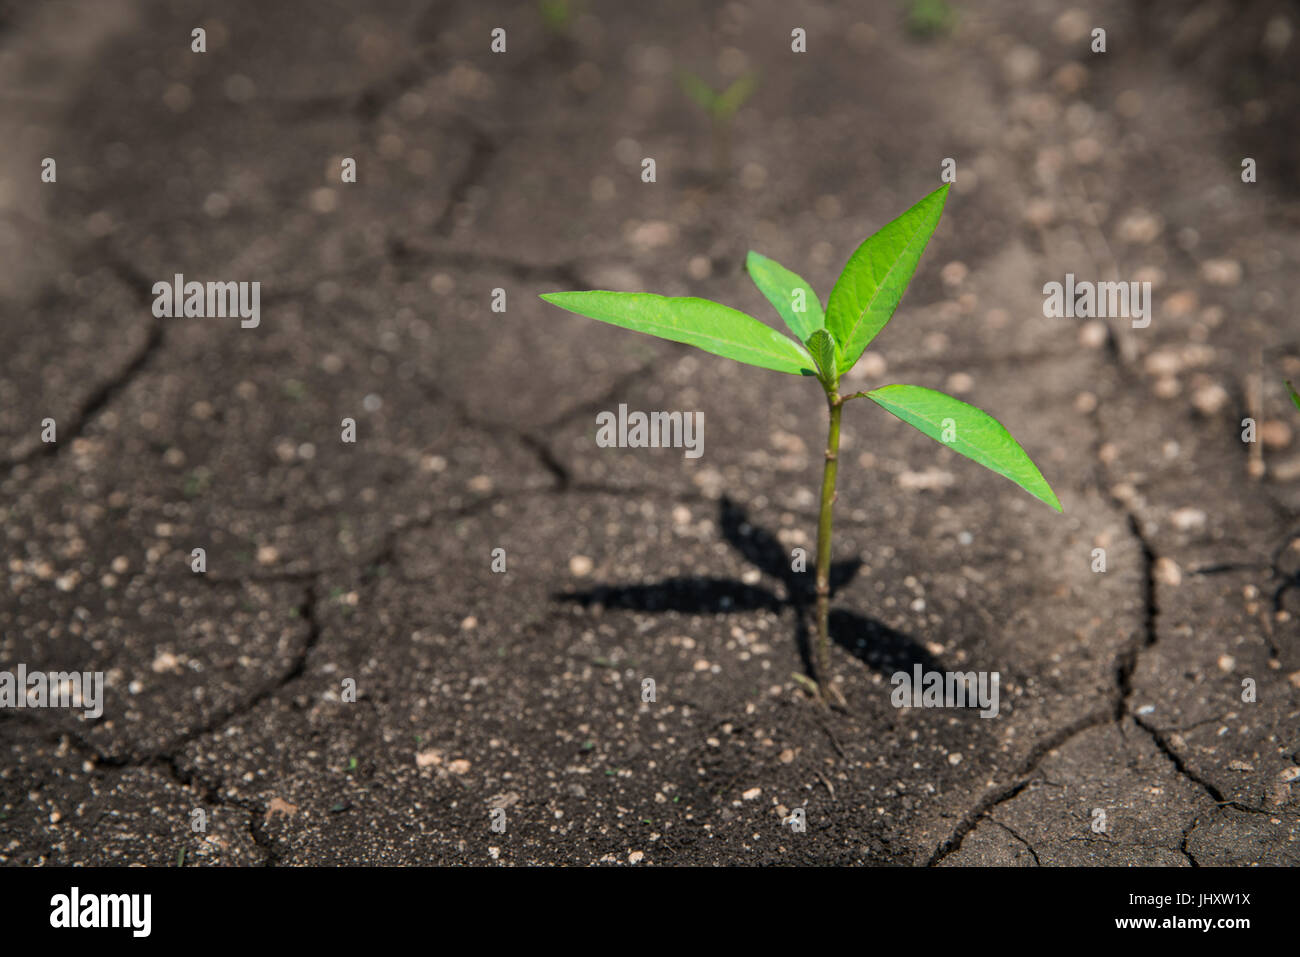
(721, 108)
(1295, 396)
(557, 15)
(929, 18)
(827, 345)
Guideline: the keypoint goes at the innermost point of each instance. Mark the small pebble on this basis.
(1167, 572)
(1187, 519)
(960, 382)
(1275, 434)
(1093, 334)
(1221, 272)
(1210, 399)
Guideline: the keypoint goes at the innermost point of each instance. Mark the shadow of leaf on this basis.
(880, 647)
(693, 595)
(765, 551)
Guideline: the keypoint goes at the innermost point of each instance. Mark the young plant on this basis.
(826, 345)
(1295, 396)
(927, 19)
(720, 107)
(557, 15)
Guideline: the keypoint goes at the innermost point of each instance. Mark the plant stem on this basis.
(721, 148)
(823, 655)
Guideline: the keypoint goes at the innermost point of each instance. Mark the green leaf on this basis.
(971, 432)
(782, 288)
(734, 96)
(707, 325)
(822, 347)
(697, 90)
(1295, 397)
(876, 276)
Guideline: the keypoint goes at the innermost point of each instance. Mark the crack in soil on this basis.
(1125, 665)
(531, 438)
(483, 150)
(1029, 847)
(168, 758)
(1183, 848)
(1128, 659)
(1021, 780)
(104, 393)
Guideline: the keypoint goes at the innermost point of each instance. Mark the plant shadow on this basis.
(871, 641)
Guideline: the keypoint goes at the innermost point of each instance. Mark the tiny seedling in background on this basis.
(1295, 397)
(929, 18)
(826, 345)
(558, 15)
(721, 108)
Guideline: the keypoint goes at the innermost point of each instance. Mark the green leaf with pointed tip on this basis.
(1295, 397)
(876, 276)
(974, 433)
(786, 291)
(707, 325)
(697, 90)
(822, 347)
(734, 96)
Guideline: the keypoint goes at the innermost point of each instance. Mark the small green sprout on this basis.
(721, 108)
(1295, 396)
(826, 345)
(557, 14)
(929, 18)
(197, 482)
